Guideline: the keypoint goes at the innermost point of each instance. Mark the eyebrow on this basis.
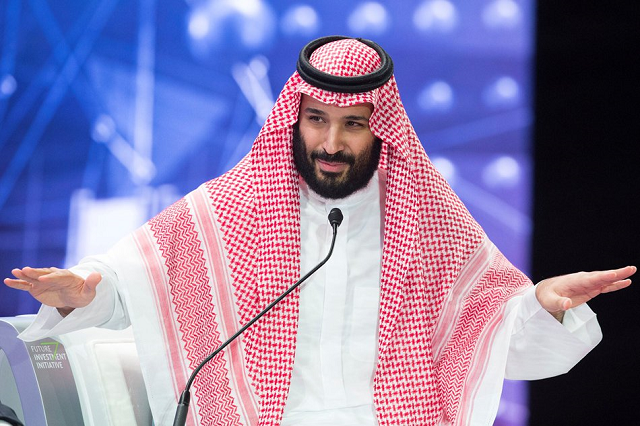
(356, 117)
(316, 111)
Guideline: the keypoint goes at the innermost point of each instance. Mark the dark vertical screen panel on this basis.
(587, 189)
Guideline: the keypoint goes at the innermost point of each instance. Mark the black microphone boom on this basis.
(335, 219)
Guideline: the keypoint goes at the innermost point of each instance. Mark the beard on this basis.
(335, 185)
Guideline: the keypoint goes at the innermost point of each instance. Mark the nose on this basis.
(333, 141)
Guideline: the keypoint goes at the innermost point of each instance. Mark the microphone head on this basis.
(335, 217)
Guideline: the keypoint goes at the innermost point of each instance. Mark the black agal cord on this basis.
(339, 84)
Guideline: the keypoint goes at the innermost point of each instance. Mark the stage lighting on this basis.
(446, 168)
(503, 172)
(503, 92)
(234, 27)
(502, 14)
(103, 129)
(435, 16)
(300, 20)
(370, 18)
(199, 25)
(8, 86)
(436, 97)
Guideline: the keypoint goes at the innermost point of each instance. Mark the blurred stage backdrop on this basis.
(112, 109)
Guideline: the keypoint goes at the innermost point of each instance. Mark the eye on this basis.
(351, 123)
(315, 118)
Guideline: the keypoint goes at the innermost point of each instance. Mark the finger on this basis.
(618, 285)
(18, 284)
(36, 273)
(625, 272)
(605, 278)
(17, 273)
(618, 274)
(21, 275)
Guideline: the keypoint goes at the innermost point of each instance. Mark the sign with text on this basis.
(56, 382)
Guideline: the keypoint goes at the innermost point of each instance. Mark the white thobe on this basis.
(332, 380)
(338, 322)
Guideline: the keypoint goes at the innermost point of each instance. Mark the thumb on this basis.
(550, 300)
(565, 303)
(92, 281)
(556, 303)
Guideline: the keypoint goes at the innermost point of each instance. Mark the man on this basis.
(415, 320)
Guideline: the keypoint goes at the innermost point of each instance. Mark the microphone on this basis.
(335, 219)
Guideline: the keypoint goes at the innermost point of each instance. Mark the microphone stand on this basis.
(335, 219)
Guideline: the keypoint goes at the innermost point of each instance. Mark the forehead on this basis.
(307, 102)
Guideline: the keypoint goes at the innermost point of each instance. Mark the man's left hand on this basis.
(558, 294)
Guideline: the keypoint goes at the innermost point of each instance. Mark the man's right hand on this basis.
(55, 287)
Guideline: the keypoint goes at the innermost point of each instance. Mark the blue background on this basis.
(138, 102)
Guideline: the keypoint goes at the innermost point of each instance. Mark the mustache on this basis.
(338, 157)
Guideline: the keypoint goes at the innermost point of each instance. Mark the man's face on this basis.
(333, 148)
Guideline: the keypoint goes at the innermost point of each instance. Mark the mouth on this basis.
(332, 166)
